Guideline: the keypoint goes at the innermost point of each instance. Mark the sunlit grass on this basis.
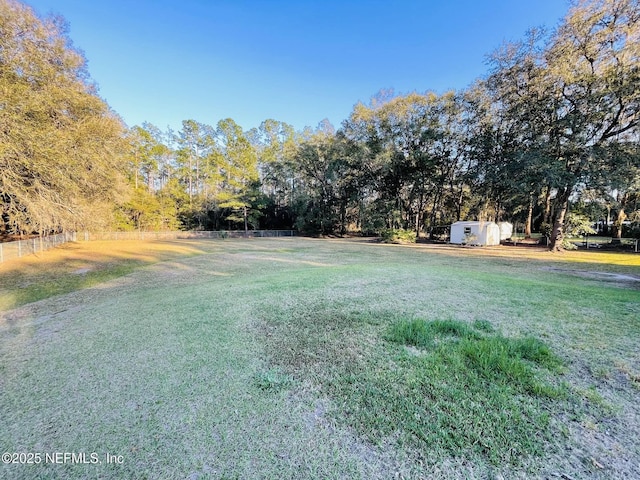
(538, 254)
(75, 266)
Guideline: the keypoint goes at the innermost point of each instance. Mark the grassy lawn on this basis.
(303, 358)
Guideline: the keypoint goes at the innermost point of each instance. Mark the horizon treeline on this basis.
(548, 138)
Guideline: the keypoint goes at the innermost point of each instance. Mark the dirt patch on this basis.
(81, 271)
(622, 280)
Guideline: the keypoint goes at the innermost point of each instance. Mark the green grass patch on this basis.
(469, 392)
(71, 282)
(272, 379)
(418, 333)
(413, 332)
(483, 326)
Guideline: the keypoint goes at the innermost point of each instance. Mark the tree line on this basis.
(547, 138)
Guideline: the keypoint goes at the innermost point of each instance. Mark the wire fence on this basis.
(22, 248)
(139, 235)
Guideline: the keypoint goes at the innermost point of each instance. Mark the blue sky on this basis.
(164, 61)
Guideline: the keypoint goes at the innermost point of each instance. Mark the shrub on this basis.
(398, 235)
(577, 225)
(545, 230)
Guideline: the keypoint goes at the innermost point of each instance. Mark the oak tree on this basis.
(61, 147)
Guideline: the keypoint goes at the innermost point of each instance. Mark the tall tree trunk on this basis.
(434, 210)
(459, 205)
(527, 225)
(547, 206)
(557, 234)
(617, 226)
(190, 181)
(620, 218)
(419, 213)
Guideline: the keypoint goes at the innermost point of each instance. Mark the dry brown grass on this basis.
(102, 252)
(78, 265)
(540, 254)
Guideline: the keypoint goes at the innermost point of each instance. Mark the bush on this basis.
(398, 235)
(577, 225)
(634, 228)
(546, 229)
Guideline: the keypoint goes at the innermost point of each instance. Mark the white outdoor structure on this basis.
(506, 230)
(475, 233)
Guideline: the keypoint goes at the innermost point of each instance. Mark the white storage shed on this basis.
(475, 233)
(506, 230)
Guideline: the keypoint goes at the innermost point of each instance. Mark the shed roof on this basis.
(472, 222)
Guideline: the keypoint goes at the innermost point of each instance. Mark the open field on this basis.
(305, 358)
